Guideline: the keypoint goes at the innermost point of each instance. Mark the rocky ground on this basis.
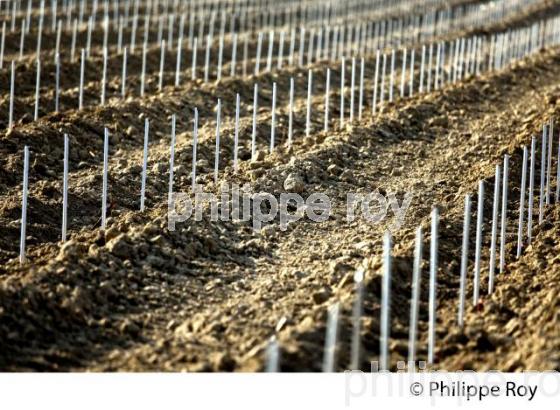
(209, 295)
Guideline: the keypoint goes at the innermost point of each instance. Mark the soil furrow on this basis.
(177, 313)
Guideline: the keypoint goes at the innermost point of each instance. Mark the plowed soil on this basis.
(209, 295)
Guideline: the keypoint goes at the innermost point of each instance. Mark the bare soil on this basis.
(209, 295)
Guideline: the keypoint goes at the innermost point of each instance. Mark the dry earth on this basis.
(208, 296)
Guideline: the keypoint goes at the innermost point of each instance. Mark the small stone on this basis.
(158, 240)
(111, 233)
(71, 249)
(321, 296)
(255, 164)
(259, 156)
(347, 279)
(499, 340)
(257, 173)
(346, 175)
(202, 164)
(120, 247)
(457, 336)
(93, 250)
(222, 362)
(268, 231)
(484, 344)
(182, 170)
(171, 325)
(131, 131)
(107, 291)
(129, 327)
(150, 228)
(334, 169)
(340, 266)
(294, 183)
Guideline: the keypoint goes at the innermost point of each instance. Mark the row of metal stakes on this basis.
(523, 238)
